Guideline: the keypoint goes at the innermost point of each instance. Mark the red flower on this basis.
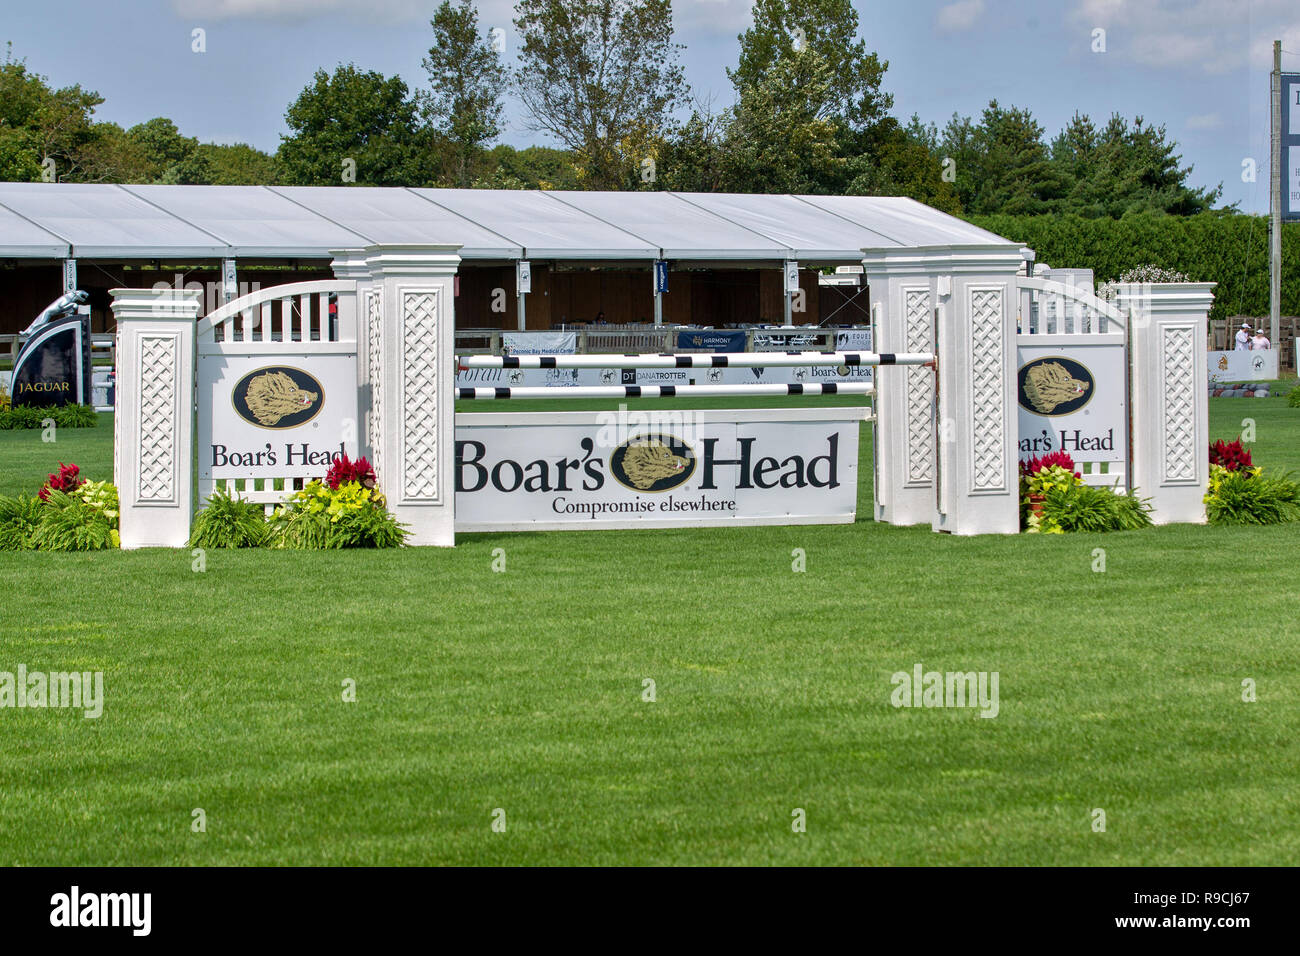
(345, 470)
(1230, 455)
(66, 480)
(1036, 464)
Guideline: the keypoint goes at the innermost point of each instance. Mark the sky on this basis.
(1199, 67)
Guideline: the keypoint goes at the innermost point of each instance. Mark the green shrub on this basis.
(1083, 507)
(19, 517)
(1210, 246)
(76, 416)
(1293, 397)
(70, 522)
(229, 522)
(1249, 497)
(320, 518)
(63, 416)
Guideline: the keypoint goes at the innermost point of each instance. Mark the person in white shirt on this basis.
(1260, 341)
(1243, 337)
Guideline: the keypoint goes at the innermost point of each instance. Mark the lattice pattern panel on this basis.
(920, 388)
(1178, 404)
(988, 401)
(420, 396)
(375, 369)
(158, 424)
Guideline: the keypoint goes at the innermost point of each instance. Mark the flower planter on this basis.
(1036, 504)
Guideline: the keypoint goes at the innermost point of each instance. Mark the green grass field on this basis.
(523, 691)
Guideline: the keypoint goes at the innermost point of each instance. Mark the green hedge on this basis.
(65, 416)
(1231, 250)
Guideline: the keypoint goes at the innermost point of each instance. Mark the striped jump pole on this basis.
(666, 391)
(698, 360)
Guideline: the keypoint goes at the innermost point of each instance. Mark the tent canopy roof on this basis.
(48, 220)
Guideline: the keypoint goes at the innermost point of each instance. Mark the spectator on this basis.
(1243, 337)
(600, 318)
(1260, 341)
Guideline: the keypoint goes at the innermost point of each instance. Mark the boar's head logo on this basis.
(652, 462)
(279, 397)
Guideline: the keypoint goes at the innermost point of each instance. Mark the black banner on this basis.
(982, 907)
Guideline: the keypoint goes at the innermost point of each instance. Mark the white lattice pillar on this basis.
(411, 355)
(978, 479)
(1169, 400)
(902, 289)
(352, 264)
(153, 427)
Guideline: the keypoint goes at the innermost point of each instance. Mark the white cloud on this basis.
(1206, 36)
(960, 16)
(1204, 121)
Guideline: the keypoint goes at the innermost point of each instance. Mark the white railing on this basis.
(625, 338)
(279, 319)
(280, 316)
(262, 491)
(1059, 308)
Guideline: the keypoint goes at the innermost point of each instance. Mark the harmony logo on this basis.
(652, 462)
(952, 689)
(277, 397)
(80, 689)
(74, 909)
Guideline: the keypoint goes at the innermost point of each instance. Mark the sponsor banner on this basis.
(1245, 366)
(724, 341)
(581, 470)
(1073, 397)
(853, 340)
(786, 341)
(569, 377)
(287, 416)
(539, 343)
(53, 367)
(1289, 147)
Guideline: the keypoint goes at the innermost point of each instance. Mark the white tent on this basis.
(47, 220)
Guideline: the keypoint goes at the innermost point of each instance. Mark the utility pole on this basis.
(1275, 164)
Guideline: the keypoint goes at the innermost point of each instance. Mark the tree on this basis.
(239, 165)
(593, 73)
(900, 160)
(536, 167)
(467, 80)
(168, 156)
(778, 142)
(39, 123)
(1119, 170)
(1002, 165)
(355, 122)
(694, 158)
(784, 29)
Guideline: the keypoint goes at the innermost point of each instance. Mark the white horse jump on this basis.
(698, 360)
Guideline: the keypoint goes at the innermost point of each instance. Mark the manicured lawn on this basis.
(523, 691)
